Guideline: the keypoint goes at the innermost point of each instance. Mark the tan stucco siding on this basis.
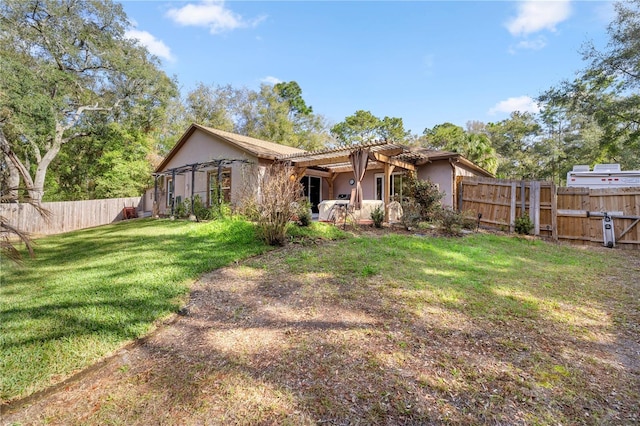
(441, 173)
(341, 184)
(199, 148)
(463, 171)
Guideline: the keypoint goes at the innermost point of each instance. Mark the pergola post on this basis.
(330, 180)
(388, 169)
(193, 179)
(173, 190)
(156, 205)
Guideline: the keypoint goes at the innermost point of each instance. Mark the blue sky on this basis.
(427, 62)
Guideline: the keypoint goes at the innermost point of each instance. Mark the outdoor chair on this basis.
(343, 212)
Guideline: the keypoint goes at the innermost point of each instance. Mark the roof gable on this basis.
(256, 147)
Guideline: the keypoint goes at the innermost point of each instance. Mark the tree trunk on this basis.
(15, 162)
(37, 190)
(13, 181)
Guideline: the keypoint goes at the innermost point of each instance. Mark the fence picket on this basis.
(558, 213)
(65, 216)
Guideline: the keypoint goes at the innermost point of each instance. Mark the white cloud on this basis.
(211, 14)
(537, 44)
(520, 103)
(154, 45)
(271, 80)
(537, 15)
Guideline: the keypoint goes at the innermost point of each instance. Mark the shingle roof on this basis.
(258, 147)
(325, 157)
(419, 156)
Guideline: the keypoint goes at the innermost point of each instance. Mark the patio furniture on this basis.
(129, 213)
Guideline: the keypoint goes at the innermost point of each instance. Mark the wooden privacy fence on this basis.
(580, 214)
(65, 216)
(570, 214)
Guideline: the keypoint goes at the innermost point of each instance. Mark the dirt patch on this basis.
(257, 344)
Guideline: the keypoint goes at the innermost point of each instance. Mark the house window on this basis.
(395, 190)
(224, 187)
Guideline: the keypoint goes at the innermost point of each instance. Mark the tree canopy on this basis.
(606, 92)
(66, 69)
(473, 146)
(364, 127)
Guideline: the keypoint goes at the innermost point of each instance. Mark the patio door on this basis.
(312, 190)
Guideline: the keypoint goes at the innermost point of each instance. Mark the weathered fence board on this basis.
(65, 216)
(570, 214)
(502, 201)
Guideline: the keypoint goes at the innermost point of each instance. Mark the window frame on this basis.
(212, 178)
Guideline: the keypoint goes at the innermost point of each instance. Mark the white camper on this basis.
(602, 176)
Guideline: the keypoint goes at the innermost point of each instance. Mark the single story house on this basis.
(208, 162)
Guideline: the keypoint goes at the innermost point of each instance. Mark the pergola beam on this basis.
(388, 160)
(322, 161)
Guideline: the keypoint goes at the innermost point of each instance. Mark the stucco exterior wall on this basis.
(441, 173)
(201, 147)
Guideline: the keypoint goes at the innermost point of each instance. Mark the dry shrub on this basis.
(270, 198)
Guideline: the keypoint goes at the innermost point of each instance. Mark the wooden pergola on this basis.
(193, 169)
(329, 163)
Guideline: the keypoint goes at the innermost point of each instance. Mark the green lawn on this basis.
(88, 292)
(376, 329)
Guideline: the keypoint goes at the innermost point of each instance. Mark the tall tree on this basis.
(210, 106)
(514, 139)
(473, 146)
(364, 127)
(444, 136)
(269, 115)
(291, 93)
(607, 90)
(67, 65)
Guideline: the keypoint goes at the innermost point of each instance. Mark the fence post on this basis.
(534, 205)
(512, 213)
(554, 212)
(523, 206)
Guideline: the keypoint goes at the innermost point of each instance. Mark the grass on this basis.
(391, 329)
(89, 291)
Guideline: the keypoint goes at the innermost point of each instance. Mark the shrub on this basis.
(411, 214)
(182, 210)
(275, 205)
(469, 220)
(303, 212)
(426, 195)
(377, 216)
(451, 221)
(523, 225)
(216, 211)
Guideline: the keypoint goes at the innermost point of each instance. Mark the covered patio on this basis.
(355, 160)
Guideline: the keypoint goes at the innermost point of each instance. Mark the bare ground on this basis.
(259, 345)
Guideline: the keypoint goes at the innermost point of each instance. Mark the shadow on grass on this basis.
(391, 331)
(306, 337)
(108, 284)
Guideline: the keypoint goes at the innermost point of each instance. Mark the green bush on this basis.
(411, 214)
(304, 212)
(469, 220)
(426, 195)
(523, 225)
(451, 222)
(377, 216)
(181, 210)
